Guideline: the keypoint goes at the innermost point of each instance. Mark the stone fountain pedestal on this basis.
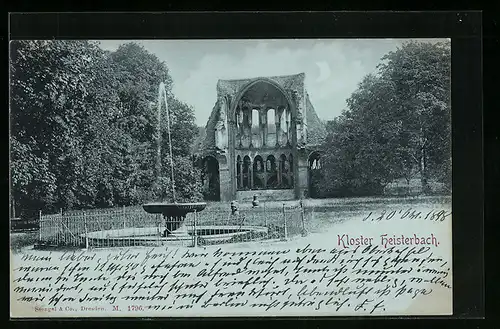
(174, 215)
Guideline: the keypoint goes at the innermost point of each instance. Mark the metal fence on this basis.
(134, 227)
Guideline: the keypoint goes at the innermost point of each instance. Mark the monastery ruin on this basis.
(262, 138)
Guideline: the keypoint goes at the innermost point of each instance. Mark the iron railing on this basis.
(134, 227)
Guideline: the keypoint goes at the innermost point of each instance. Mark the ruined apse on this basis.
(263, 138)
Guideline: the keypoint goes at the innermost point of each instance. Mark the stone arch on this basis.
(270, 164)
(258, 164)
(314, 173)
(245, 172)
(271, 118)
(270, 128)
(255, 81)
(210, 178)
(283, 172)
(240, 117)
(256, 140)
(258, 173)
(236, 122)
(271, 172)
(283, 164)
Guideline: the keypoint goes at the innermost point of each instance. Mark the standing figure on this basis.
(255, 202)
(234, 208)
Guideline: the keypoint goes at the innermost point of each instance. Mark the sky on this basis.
(333, 67)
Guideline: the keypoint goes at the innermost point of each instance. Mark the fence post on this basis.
(265, 214)
(285, 237)
(40, 226)
(157, 228)
(124, 218)
(60, 229)
(265, 221)
(195, 243)
(86, 235)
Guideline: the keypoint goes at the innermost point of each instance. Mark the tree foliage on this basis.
(397, 125)
(83, 126)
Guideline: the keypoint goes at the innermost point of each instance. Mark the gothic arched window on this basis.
(271, 163)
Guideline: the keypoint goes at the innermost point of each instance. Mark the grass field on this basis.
(21, 240)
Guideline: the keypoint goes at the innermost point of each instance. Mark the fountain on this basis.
(232, 229)
(174, 213)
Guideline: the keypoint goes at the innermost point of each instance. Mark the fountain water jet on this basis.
(174, 213)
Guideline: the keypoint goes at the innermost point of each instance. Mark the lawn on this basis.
(319, 213)
(20, 240)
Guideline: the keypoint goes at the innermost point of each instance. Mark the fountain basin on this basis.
(149, 236)
(173, 213)
(173, 209)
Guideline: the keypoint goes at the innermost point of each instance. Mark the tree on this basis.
(186, 176)
(397, 123)
(140, 74)
(49, 105)
(83, 125)
(182, 126)
(360, 157)
(421, 73)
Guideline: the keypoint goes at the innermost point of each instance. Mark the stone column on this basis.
(250, 172)
(249, 127)
(264, 125)
(240, 175)
(279, 171)
(302, 175)
(262, 133)
(239, 124)
(277, 123)
(288, 117)
(224, 179)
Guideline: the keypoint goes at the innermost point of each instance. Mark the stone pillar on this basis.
(224, 179)
(282, 138)
(279, 172)
(249, 116)
(239, 125)
(303, 175)
(250, 172)
(263, 114)
(240, 175)
(288, 117)
(291, 169)
(277, 123)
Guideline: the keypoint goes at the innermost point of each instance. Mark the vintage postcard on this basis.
(224, 178)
